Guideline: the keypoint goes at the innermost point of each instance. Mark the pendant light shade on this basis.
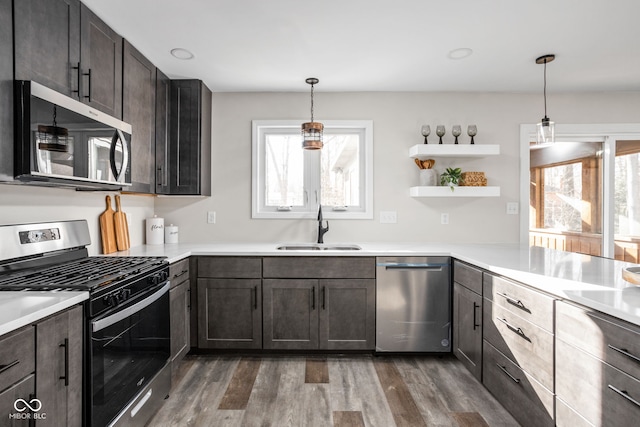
(312, 131)
(52, 137)
(546, 128)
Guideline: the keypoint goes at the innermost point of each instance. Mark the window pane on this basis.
(340, 169)
(563, 197)
(284, 170)
(627, 191)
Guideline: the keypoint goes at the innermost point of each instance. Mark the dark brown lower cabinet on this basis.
(229, 313)
(59, 353)
(467, 328)
(328, 314)
(21, 390)
(179, 303)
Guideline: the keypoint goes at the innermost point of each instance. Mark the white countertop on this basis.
(18, 309)
(591, 281)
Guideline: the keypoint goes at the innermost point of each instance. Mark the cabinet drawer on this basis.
(612, 340)
(319, 267)
(523, 342)
(25, 389)
(230, 267)
(597, 391)
(17, 356)
(468, 276)
(530, 403)
(567, 417)
(179, 272)
(529, 304)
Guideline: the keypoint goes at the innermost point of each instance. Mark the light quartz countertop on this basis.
(590, 281)
(18, 309)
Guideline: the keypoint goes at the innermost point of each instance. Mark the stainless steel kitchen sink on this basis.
(318, 247)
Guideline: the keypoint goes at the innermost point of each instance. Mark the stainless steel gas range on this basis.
(126, 327)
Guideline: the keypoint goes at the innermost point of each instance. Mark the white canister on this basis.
(428, 177)
(171, 234)
(155, 231)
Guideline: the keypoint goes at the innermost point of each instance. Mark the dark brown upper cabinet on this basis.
(66, 47)
(138, 109)
(189, 149)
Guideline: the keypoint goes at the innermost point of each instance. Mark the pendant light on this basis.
(546, 128)
(312, 131)
(53, 138)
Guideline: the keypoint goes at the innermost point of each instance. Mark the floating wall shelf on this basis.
(457, 192)
(425, 151)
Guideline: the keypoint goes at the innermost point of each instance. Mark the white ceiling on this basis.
(387, 45)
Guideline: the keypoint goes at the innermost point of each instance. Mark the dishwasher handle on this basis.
(413, 266)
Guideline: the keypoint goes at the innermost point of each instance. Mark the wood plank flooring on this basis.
(332, 390)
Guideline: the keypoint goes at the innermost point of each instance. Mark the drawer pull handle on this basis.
(182, 273)
(9, 366)
(513, 301)
(504, 369)
(625, 352)
(475, 322)
(624, 394)
(515, 329)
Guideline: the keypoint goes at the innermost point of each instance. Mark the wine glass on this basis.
(456, 131)
(472, 131)
(440, 132)
(426, 131)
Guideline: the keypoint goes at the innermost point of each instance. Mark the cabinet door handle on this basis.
(625, 352)
(88, 74)
(32, 420)
(507, 373)
(324, 295)
(78, 78)
(255, 297)
(513, 301)
(475, 321)
(65, 377)
(515, 329)
(182, 273)
(9, 365)
(313, 298)
(625, 394)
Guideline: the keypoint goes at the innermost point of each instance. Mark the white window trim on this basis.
(257, 169)
(608, 134)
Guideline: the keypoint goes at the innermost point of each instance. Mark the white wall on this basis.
(23, 204)
(397, 119)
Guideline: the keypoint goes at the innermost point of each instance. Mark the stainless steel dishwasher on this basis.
(413, 304)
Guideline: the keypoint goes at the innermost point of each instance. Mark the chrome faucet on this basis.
(321, 230)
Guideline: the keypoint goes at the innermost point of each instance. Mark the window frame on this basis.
(312, 171)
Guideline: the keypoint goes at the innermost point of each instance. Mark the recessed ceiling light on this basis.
(181, 53)
(460, 53)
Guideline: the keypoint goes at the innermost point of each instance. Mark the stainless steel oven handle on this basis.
(98, 325)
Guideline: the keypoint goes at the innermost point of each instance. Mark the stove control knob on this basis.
(111, 300)
(126, 293)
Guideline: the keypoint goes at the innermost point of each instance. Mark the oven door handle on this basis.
(100, 324)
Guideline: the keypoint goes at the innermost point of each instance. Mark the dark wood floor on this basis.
(334, 391)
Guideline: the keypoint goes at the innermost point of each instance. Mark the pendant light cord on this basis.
(544, 89)
(312, 102)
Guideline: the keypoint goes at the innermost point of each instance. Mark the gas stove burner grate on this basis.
(83, 274)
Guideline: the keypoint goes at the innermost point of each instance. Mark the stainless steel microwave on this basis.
(62, 142)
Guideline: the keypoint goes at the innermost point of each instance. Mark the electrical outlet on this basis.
(444, 218)
(388, 217)
(211, 217)
(513, 208)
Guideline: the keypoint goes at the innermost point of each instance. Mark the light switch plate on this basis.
(388, 217)
(211, 217)
(513, 208)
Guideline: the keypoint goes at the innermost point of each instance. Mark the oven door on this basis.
(129, 345)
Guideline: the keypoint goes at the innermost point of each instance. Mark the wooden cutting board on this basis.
(107, 229)
(121, 227)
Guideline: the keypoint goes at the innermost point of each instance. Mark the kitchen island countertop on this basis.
(18, 309)
(594, 282)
